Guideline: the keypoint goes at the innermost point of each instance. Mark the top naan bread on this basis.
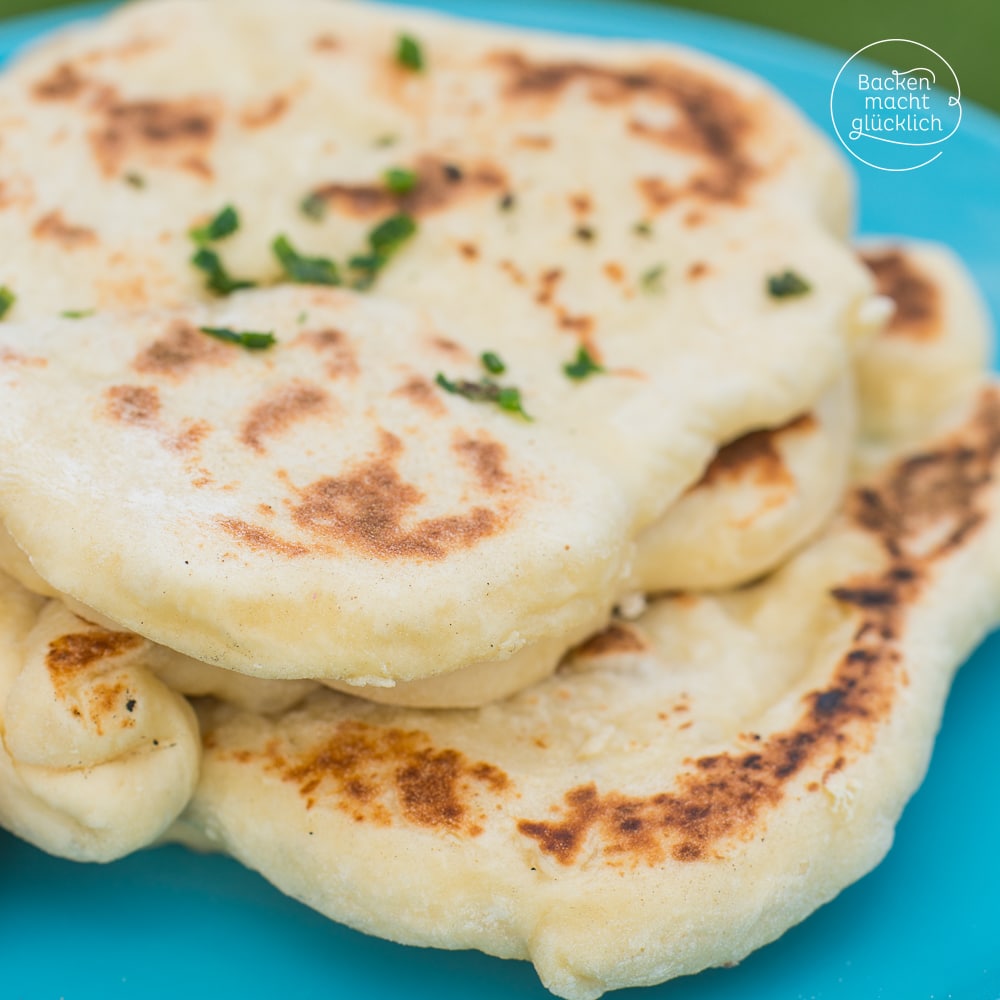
(630, 200)
(315, 509)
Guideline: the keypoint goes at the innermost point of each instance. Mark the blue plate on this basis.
(925, 925)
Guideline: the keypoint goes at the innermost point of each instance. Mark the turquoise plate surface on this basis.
(925, 925)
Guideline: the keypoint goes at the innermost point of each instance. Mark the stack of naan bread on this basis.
(469, 477)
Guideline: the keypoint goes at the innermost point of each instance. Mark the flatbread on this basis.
(120, 135)
(99, 751)
(626, 200)
(936, 345)
(761, 497)
(317, 510)
(97, 756)
(767, 492)
(314, 510)
(692, 784)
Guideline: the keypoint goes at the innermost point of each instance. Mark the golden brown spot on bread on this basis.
(376, 774)
(698, 269)
(533, 141)
(259, 539)
(8, 356)
(581, 326)
(937, 488)
(326, 43)
(104, 702)
(917, 297)
(198, 166)
(53, 226)
(547, 283)
(280, 409)
(723, 796)
(260, 114)
(487, 459)
(614, 271)
(655, 192)
(367, 508)
(756, 454)
(133, 404)
(715, 124)
(179, 351)
(9, 196)
(175, 134)
(64, 83)
(450, 347)
(616, 638)
(513, 272)
(122, 291)
(440, 185)
(334, 346)
(422, 393)
(70, 655)
(581, 203)
(469, 251)
(190, 436)
(129, 49)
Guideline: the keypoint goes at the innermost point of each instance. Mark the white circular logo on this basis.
(893, 119)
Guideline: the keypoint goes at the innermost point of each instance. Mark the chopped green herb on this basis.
(507, 202)
(217, 278)
(585, 233)
(132, 179)
(367, 267)
(409, 53)
(652, 280)
(583, 366)
(485, 391)
(787, 285)
(383, 242)
(313, 206)
(492, 363)
(245, 338)
(509, 398)
(399, 180)
(224, 224)
(304, 270)
(382, 141)
(390, 234)
(77, 313)
(302, 317)
(643, 228)
(7, 299)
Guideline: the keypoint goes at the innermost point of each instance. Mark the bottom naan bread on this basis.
(692, 784)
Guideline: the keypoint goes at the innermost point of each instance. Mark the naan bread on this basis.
(767, 492)
(99, 750)
(321, 509)
(936, 344)
(97, 756)
(762, 496)
(534, 241)
(121, 135)
(692, 784)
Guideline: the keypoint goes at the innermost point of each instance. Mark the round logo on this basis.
(895, 119)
